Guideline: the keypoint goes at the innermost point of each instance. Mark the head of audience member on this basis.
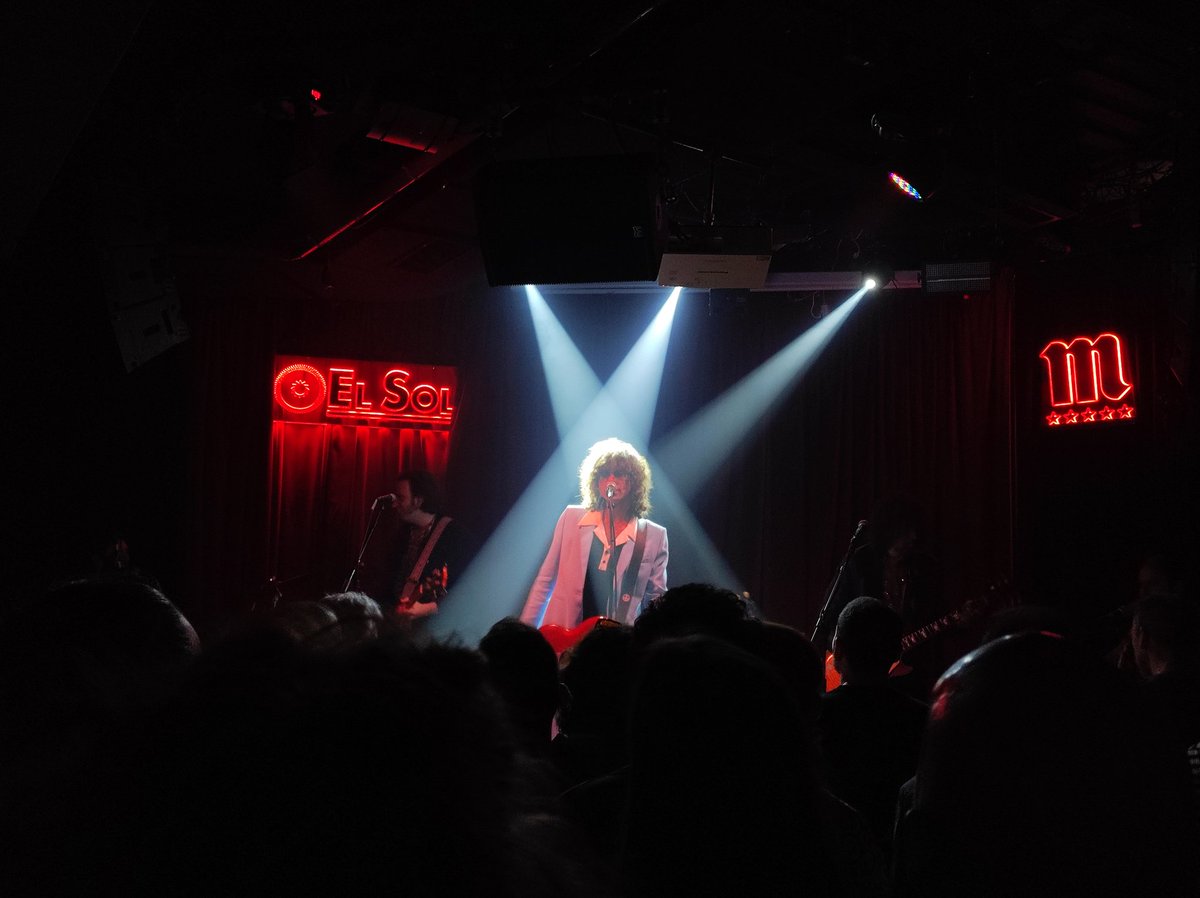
(304, 622)
(690, 609)
(359, 617)
(83, 654)
(722, 784)
(1043, 774)
(1165, 634)
(616, 457)
(793, 657)
(523, 668)
(597, 680)
(867, 641)
(278, 770)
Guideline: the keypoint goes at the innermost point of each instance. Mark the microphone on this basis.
(609, 491)
(387, 500)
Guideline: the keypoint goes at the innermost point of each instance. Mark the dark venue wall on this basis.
(1095, 500)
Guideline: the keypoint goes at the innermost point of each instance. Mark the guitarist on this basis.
(892, 567)
(606, 557)
(427, 548)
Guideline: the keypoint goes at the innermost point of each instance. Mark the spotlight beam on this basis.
(701, 444)
(569, 378)
(573, 384)
(639, 376)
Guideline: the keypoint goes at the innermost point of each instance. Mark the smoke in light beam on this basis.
(574, 386)
(569, 378)
(639, 376)
(698, 447)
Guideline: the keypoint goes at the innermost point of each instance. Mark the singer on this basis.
(606, 557)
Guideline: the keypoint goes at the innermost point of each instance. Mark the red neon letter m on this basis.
(1086, 370)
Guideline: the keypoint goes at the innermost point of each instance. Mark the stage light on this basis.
(904, 185)
(878, 275)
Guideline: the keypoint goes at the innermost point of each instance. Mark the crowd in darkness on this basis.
(323, 748)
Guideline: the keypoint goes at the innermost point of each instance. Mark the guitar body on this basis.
(833, 679)
(562, 638)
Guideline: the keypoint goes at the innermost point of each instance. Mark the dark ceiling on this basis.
(1035, 130)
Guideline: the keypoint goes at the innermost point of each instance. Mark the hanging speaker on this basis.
(570, 220)
(958, 277)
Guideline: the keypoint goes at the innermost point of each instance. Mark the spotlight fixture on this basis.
(878, 275)
(905, 186)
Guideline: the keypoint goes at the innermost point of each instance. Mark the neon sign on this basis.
(1085, 381)
(365, 392)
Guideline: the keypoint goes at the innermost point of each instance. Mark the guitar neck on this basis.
(916, 637)
(968, 613)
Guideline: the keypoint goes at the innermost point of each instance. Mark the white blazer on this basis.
(557, 593)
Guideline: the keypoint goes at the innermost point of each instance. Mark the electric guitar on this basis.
(563, 639)
(971, 609)
(431, 588)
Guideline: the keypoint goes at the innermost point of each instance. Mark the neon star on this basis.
(1089, 416)
(1054, 419)
(1106, 413)
(1071, 417)
(1126, 411)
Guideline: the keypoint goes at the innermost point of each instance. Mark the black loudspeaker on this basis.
(572, 220)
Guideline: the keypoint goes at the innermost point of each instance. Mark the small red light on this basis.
(316, 94)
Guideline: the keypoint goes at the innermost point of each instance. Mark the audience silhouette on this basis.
(320, 748)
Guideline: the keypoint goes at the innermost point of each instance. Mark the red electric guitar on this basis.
(564, 639)
(971, 609)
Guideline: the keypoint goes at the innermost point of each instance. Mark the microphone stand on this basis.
(612, 552)
(376, 516)
(837, 579)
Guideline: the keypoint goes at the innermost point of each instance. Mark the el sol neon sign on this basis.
(1087, 381)
(364, 392)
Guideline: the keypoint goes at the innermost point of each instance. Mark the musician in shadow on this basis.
(893, 567)
(425, 548)
(606, 557)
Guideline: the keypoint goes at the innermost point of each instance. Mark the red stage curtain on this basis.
(913, 396)
(323, 480)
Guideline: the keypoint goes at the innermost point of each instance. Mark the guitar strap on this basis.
(414, 578)
(631, 572)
